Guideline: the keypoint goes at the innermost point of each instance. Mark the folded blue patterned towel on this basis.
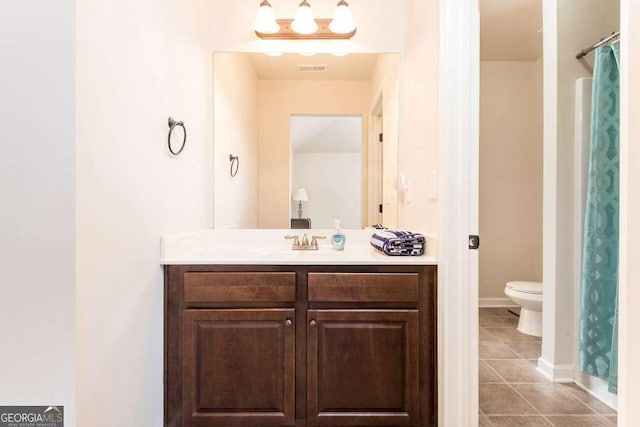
(398, 243)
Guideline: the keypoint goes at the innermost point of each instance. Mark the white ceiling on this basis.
(285, 67)
(510, 30)
(326, 134)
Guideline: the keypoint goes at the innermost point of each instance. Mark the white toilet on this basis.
(527, 295)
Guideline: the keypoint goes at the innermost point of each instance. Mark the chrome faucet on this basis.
(303, 244)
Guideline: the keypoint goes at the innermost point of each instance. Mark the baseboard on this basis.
(598, 388)
(556, 373)
(495, 302)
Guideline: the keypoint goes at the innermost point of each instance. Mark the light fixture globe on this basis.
(265, 19)
(342, 19)
(305, 22)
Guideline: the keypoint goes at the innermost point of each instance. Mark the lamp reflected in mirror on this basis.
(300, 196)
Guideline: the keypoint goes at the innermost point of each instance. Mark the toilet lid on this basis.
(526, 287)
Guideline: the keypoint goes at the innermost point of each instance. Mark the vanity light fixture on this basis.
(305, 22)
(342, 19)
(265, 19)
(305, 26)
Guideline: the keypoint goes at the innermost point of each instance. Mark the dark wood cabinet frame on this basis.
(402, 298)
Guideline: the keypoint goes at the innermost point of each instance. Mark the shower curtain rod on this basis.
(602, 41)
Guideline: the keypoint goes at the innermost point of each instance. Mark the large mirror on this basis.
(302, 140)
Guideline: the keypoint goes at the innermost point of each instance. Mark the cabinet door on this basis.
(239, 367)
(362, 367)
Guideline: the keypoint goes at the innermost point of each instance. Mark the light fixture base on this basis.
(323, 33)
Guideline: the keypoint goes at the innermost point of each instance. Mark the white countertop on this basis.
(268, 247)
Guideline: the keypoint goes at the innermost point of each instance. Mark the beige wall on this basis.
(419, 114)
(510, 175)
(385, 85)
(235, 89)
(277, 101)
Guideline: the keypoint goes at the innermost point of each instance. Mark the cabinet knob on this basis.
(312, 323)
(288, 322)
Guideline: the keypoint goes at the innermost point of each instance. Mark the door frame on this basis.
(457, 267)
(458, 216)
(628, 291)
(375, 158)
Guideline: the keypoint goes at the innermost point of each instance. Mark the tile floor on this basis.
(514, 393)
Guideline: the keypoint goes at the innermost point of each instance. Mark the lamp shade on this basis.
(266, 19)
(342, 19)
(300, 195)
(305, 22)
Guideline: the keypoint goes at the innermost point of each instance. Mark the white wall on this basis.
(37, 217)
(419, 114)
(629, 294)
(138, 63)
(235, 88)
(510, 175)
(278, 100)
(569, 26)
(332, 181)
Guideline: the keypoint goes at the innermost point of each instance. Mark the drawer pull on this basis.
(288, 322)
(312, 323)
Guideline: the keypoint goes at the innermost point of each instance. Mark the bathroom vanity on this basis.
(259, 336)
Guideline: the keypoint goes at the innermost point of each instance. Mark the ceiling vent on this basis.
(321, 68)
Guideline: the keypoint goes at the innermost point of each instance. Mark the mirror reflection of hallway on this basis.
(326, 160)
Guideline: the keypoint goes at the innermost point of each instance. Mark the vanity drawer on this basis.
(363, 287)
(239, 287)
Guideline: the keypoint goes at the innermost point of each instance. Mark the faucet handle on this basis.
(295, 238)
(314, 239)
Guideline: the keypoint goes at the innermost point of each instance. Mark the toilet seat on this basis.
(534, 288)
(528, 295)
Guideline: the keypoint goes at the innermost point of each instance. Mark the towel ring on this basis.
(172, 125)
(235, 160)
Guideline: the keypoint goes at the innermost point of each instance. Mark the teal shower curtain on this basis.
(599, 304)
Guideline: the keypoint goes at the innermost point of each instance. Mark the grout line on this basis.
(497, 373)
(595, 414)
(482, 414)
(521, 396)
(532, 405)
(589, 406)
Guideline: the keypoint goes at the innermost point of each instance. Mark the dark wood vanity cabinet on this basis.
(363, 367)
(238, 364)
(260, 346)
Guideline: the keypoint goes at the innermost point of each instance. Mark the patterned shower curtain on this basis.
(599, 304)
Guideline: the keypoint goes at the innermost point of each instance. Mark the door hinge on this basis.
(474, 241)
(380, 208)
(380, 137)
